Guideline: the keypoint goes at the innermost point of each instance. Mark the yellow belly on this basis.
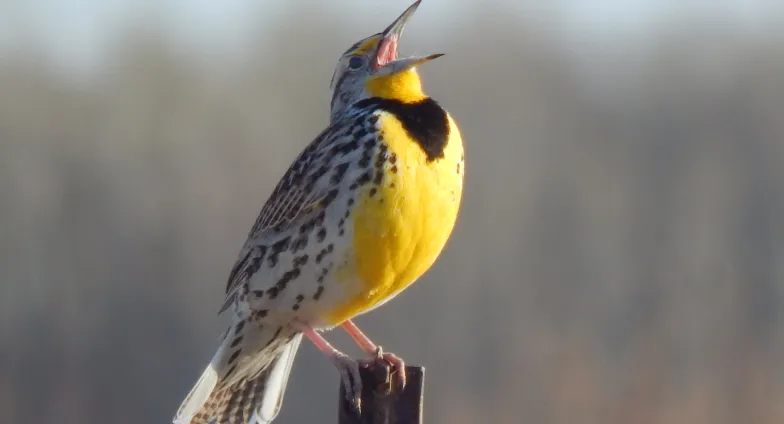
(400, 230)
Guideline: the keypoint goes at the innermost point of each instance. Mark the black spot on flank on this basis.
(321, 278)
(341, 222)
(364, 178)
(284, 280)
(238, 327)
(458, 167)
(425, 122)
(393, 158)
(373, 119)
(272, 292)
(325, 270)
(393, 169)
(258, 293)
(350, 201)
(391, 185)
(234, 355)
(281, 245)
(330, 247)
(295, 306)
(364, 161)
(348, 213)
(236, 341)
(370, 143)
(318, 293)
(299, 244)
(300, 261)
(321, 255)
(340, 171)
(300, 298)
(321, 235)
(260, 314)
(372, 192)
(272, 260)
(379, 165)
(329, 197)
(341, 232)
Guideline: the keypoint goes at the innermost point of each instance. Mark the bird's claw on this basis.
(352, 383)
(386, 361)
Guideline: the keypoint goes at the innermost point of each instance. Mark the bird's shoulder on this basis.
(305, 181)
(305, 190)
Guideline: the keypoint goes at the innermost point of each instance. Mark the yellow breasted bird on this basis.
(362, 213)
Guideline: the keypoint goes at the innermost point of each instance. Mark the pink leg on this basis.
(347, 367)
(374, 350)
(359, 337)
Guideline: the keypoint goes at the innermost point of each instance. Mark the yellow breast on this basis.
(401, 225)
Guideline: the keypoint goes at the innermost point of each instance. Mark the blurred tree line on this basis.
(619, 256)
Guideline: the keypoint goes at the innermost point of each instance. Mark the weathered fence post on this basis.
(382, 402)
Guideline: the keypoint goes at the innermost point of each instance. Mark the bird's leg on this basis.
(347, 367)
(375, 351)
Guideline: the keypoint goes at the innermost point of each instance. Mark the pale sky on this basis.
(77, 32)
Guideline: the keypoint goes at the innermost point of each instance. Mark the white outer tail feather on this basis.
(276, 374)
(277, 380)
(201, 391)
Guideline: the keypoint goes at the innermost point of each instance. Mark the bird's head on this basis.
(371, 68)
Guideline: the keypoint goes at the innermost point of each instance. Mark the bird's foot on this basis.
(379, 361)
(389, 363)
(352, 383)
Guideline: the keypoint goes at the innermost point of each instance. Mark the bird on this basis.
(362, 212)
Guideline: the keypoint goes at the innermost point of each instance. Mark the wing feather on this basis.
(296, 196)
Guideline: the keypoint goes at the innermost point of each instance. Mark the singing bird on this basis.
(362, 212)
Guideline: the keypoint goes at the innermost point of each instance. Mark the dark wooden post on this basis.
(383, 402)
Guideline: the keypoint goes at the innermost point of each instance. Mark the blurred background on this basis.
(619, 256)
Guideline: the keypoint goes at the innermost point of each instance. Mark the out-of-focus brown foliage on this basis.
(619, 256)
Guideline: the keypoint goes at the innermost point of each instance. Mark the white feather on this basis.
(276, 383)
(198, 395)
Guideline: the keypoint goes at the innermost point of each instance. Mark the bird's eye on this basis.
(355, 62)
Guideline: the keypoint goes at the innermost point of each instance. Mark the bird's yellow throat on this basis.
(404, 86)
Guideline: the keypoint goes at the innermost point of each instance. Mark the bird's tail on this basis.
(245, 380)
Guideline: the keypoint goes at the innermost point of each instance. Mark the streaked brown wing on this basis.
(296, 196)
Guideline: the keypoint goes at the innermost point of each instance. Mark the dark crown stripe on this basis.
(425, 121)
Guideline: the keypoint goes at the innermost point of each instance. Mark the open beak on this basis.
(386, 59)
